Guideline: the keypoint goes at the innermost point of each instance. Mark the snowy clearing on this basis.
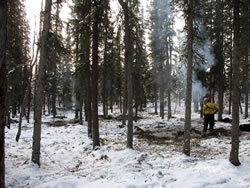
(68, 161)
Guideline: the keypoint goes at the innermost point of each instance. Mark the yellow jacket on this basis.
(209, 108)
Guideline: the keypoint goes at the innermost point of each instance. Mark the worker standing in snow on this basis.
(209, 109)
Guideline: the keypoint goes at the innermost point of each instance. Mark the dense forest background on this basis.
(129, 58)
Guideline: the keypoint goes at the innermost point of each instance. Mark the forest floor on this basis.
(67, 158)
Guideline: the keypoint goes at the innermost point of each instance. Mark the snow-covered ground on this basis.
(68, 161)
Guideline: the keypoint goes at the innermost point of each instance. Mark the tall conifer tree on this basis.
(188, 98)
(234, 154)
(3, 37)
(40, 86)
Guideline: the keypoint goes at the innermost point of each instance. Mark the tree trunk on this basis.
(111, 103)
(85, 109)
(247, 59)
(156, 99)
(136, 111)
(104, 97)
(77, 110)
(125, 82)
(234, 154)
(81, 116)
(3, 81)
(162, 89)
(169, 104)
(125, 95)
(155, 90)
(33, 63)
(77, 92)
(104, 94)
(22, 113)
(89, 94)
(40, 83)
(176, 102)
(54, 67)
(219, 56)
(128, 62)
(89, 100)
(44, 104)
(105, 113)
(186, 146)
(129, 81)
(53, 102)
(95, 124)
(230, 74)
(29, 97)
(169, 70)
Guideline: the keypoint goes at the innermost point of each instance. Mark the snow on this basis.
(68, 161)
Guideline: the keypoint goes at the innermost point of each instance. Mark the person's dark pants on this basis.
(208, 119)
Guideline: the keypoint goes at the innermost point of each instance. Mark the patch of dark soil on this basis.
(222, 132)
(154, 139)
(58, 123)
(74, 121)
(166, 134)
(218, 132)
(119, 118)
(153, 113)
(108, 117)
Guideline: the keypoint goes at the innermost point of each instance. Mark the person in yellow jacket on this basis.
(209, 109)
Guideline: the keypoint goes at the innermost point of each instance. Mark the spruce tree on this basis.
(36, 145)
(128, 70)
(189, 21)
(234, 154)
(3, 87)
